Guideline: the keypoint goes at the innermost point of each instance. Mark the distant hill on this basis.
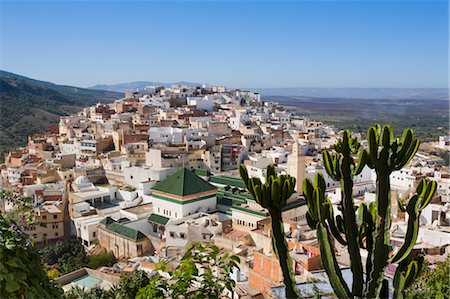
(28, 106)
(139, 85)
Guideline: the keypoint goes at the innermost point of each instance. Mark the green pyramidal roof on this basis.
(125, 231)
(182, 183)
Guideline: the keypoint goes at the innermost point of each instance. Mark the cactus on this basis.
(273, 196)
(370, 230)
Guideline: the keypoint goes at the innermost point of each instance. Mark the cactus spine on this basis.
(273, 196)
(370, 230)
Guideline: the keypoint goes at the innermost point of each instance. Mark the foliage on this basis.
(431, 283)
(273, 196)
(53, 273)
(203, 272)
(66, 256)
(93, 293)
(102, 259)
(29, 106)
(371, 229)
(21, 271)
(129, 285)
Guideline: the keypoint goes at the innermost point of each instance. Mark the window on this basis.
(55, 216)
(172, 234)
(182, 236)
(94, 234)
(34, 236)
(44, 217)
(155, 228)
(56, 234)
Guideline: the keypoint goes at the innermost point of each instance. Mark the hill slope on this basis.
(28, 106)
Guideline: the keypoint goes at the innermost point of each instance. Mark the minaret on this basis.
(296, 166)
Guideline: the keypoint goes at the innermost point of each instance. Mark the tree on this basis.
(66, 256)
(94, 293)
(21, 272)
(129, 285)
(102, 259)
(203, 272)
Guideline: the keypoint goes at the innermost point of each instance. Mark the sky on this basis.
(235, 43)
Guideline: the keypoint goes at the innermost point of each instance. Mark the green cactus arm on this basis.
(409, 154)
(332, 224)
(387, 136)
(411, 232)
(399, 284)
(381, 235)
(400, 205)
(281, 250)
(416, 204)
(362, 161)
(243, 173)
(405, 274)
(372, 138)
(348, 213)
(405, 142)
(328, 164)
(428, 195)
(331, 266)
(270, 171)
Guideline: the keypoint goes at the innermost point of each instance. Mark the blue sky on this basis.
(238, 44)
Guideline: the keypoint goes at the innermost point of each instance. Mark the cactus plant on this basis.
(370, 230)
(273, 196)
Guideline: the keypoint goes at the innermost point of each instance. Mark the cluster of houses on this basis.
(149, 174)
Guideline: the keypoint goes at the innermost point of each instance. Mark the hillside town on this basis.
(147, 175)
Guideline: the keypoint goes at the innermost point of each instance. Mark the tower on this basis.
(296, 166)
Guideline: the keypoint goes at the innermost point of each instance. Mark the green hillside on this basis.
(28, 106)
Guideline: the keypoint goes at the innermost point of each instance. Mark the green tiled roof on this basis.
(202, 172)
(158, 219)
(294, 204)
(125, 231)
(227, 180)
(183, 182)
(251, 211)
(107, 221)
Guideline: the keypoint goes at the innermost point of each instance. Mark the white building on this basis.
(182, 194)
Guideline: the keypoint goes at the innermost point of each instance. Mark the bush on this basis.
(432, 283)
(21, 271)
(66, 256)
(102, 259)
(53, 273)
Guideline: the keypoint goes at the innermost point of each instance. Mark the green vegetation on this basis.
(29, 106)
(203, 272)
(371, 229)
(21, 271)
(428, 118)
(127, 288)
(65, 256)
(432, 283)
(273, 195)
(68, 256)
(106, 259)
